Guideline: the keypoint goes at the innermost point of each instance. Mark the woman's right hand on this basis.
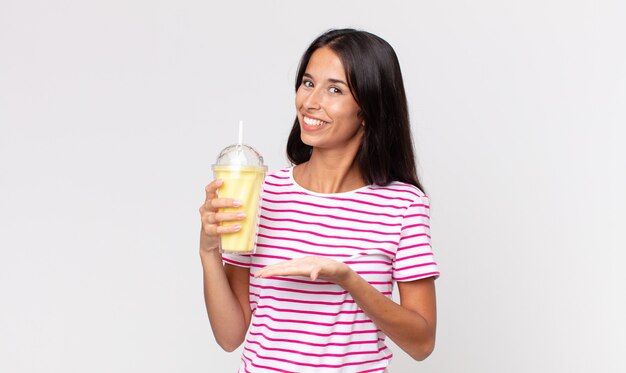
(211, 217)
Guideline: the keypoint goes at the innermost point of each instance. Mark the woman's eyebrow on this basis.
(331, 80)
(338, 81)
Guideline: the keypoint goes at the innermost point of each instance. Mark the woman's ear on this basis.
(360, 115)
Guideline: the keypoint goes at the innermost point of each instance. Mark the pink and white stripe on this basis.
(299, 325)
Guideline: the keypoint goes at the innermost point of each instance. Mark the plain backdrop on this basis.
(112, 112)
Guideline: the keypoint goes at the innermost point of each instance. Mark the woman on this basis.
(335, 230)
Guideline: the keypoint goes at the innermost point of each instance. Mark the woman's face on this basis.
(327, 111)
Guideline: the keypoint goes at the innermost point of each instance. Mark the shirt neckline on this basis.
(307, 191)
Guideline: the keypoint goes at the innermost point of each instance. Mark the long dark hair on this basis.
(373, 72)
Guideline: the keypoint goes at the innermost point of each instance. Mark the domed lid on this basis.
(239, 155)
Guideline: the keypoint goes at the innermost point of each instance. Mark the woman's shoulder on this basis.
(399, 189)
(283, 174)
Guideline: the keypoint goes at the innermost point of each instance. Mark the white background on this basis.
(111, 113)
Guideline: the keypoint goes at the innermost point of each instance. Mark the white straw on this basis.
(240, 132)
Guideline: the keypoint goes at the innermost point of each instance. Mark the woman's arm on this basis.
(226, 300)
(410, 324)
(225, 286)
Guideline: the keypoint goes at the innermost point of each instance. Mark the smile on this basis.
(313, 122)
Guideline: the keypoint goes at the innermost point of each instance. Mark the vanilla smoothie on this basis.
(243, 183)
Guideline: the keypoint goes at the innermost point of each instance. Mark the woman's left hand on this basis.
(311, 266)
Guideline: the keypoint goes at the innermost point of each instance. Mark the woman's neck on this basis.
(326, 172)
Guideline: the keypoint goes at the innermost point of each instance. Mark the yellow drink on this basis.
(243, 183)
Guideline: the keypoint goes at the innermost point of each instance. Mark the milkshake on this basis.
(241, 167)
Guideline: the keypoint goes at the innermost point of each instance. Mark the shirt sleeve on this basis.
(239, 260)
(414, 258)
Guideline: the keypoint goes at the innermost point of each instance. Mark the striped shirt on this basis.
(299, 325)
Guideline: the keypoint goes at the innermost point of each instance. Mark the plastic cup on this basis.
(242, 169)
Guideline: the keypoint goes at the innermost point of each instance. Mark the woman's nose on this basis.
(312, 100)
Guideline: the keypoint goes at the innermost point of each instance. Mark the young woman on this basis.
(336, 230)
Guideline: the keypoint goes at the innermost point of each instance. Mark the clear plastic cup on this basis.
(242, 169)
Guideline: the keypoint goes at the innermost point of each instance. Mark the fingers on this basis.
(213, 203)
(210, 233)
(221, 217)
(293, 267)
(214, 221)
(211, 189)
(315, 273)
(267, 271)
(287, 271)
(314, 267)
(229, 216)
(216, 230)
(221, 203)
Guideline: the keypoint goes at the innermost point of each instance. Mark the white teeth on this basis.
(313, 122)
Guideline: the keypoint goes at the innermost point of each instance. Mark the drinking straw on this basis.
(240, 132)
(240, 155)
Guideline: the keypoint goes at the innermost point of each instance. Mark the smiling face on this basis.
(327, 111)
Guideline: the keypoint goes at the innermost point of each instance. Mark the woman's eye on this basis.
(307, 83)
(335, 90)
